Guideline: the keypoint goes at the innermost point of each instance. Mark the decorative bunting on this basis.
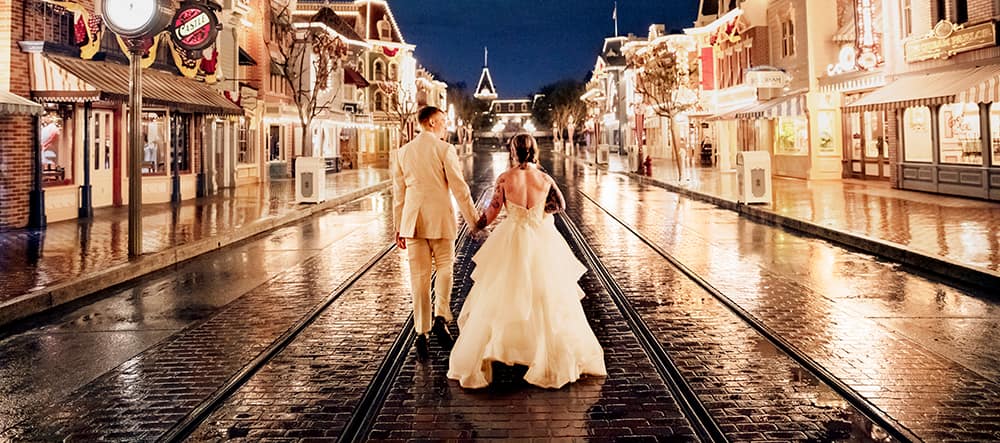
(149, 47)
(390, 52)
(85, 35)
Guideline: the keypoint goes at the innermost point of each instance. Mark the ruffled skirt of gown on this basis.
(524, 307)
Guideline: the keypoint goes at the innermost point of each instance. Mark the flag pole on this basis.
(614, 15)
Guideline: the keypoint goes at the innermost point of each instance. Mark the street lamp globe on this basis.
(136, 18)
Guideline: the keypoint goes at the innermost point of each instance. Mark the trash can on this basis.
(753, 171)
(310, 179)
(603, 152)
(706, 154)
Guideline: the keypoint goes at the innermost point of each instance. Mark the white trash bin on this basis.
(753, 171)
(603, 152)
(310, 179)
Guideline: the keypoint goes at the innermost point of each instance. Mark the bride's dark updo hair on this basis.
(525, 148)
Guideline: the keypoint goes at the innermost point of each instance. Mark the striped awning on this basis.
(730, 113)
(85, 80)
(977, 85)
(987, 90)
(11, 103)
(788, 106)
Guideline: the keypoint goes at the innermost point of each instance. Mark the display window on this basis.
(959, 134)
(995, 133)
(824, 120)
(154, 142)
(180, 141)
(917, 143)
(792, 137)
(56, 144)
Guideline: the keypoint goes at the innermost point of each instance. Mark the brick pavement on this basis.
(311, 388)
(809, 299)
(911, 226)
(753, 390)
(146, 395)
(631, 403)
(68, 259)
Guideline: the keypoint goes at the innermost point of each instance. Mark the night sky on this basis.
(531, 42)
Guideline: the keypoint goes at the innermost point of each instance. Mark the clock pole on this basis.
(135, 148)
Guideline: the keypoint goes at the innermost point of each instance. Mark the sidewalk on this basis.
(71, 259)
(951, 236)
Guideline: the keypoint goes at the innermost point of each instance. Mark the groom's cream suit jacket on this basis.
(423, 172)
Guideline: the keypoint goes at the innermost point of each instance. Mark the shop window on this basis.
(854, 128)
(824, 120)
(56, 141)
(180, 142)
(792, 137)
(245, 153)
(917, 143)
(274, 143)
(873, 139)
(995, 132)
(154, 142)
(959, 134)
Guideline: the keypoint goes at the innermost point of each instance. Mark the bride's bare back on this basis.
(523, 185)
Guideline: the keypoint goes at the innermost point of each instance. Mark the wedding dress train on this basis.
(524, 307)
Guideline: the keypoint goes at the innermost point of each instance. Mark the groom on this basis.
(425, 176)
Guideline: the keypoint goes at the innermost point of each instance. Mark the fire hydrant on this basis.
(648, 165)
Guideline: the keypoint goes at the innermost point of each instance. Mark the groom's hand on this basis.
(400, 241)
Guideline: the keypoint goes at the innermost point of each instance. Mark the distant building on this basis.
(510, 116)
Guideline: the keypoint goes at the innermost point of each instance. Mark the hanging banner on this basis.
(149, 48)
(87, 28)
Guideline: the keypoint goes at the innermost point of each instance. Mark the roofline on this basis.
(388, 10)
(302, 25)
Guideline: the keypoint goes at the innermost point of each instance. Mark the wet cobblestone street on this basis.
(915, 351)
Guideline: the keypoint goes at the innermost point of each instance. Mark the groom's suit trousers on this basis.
(425, 256)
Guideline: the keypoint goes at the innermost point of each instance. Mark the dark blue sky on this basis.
(531, 42)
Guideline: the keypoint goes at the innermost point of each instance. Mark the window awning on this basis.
(109, 82)
(245, 59)
(788, 106)
(976, 85)
(355, 78)
(730, 113)
(11, 103)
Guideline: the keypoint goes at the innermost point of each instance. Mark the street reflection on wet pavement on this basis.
(73, 346)
(128, 364)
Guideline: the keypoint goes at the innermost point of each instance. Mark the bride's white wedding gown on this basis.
(524, 307)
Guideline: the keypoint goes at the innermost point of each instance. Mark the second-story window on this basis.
(906, 19)
(787, 38)
(379, 101)
(379, 71)
(940, 12)
(961, 11)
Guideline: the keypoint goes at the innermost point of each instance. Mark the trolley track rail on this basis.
(896, 430)
(186, 426)
(704, 426)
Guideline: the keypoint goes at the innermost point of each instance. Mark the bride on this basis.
(524, 305)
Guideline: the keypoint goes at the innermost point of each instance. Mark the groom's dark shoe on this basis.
(440, 330)
(422, 351)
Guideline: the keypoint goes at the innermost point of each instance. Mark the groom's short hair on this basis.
(426, 113)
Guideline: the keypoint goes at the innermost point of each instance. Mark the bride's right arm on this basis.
(496, 203)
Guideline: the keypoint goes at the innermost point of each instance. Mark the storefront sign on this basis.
(947, 40)
(767, 79)
(194, 27)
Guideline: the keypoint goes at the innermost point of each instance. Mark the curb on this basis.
(925, 262)
(64, 292)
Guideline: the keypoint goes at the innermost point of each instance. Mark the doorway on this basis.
(104, 158)
(867, 156)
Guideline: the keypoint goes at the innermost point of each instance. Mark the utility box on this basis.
(310, 179)
(753, 171)
(603, 152)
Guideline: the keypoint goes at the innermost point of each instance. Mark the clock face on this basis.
(129, 15)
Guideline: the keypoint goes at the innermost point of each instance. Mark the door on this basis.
(104, 158)
(868, 155)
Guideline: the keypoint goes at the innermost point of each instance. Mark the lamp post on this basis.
(135, 21)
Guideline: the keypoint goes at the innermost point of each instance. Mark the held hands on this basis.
(400, 242)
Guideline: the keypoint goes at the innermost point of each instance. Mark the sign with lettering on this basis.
(194, 27)
(947, 40)
(767, 79)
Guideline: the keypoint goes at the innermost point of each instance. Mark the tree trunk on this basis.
(675, 142)
(306, 140)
